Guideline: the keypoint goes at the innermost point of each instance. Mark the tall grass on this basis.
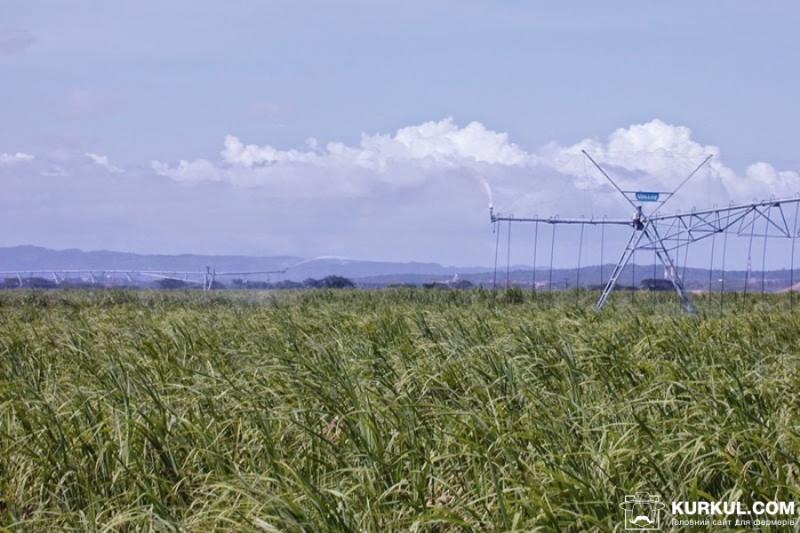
(386, 410)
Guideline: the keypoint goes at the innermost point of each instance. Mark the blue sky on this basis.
(332, 99)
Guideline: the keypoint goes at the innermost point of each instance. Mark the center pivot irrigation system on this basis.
(662, 234)
(204, 278)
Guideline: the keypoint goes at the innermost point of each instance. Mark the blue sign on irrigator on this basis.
(647, 196)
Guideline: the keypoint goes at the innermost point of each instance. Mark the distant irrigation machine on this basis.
(205, 279)
(665, 234)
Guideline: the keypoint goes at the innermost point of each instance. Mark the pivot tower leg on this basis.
(649, 230)
(669, 265)
(633, 242)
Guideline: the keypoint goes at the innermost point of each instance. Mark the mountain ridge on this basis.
(29, 257)
(366, 273)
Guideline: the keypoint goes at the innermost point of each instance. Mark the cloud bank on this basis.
(653, 155)
(13, 159)
(419, 193)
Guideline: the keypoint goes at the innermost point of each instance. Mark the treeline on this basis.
(328, 282)
(37, 282)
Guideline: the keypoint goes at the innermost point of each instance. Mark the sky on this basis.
(379, 130)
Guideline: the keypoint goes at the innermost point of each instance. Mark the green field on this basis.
(386, 410)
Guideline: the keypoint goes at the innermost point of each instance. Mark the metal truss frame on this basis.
(663, 234)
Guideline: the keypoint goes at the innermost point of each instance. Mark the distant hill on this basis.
(373, 273)
(38, 258)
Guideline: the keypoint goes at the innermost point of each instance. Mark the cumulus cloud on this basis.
(236, 153)
(652, 155)
(13, 159)
(441, 142)
(763, 176)
(419, 192)
(198, 170)
(410, 157)
(61, 161)
(103, 161)
(660, 155)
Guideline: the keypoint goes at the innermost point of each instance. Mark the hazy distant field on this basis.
(386, 410)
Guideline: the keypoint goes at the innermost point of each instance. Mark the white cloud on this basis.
(102, 161)
(13, 159)
(445, 142)
(441, 142)
(409, 157)
(236, 153)
(654, 149)
(55, 172)
(653, 155)
(415, 193)
(661, 155)
(763, 176)
(199, 170)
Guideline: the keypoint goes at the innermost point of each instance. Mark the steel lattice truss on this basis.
(763, 219)
(663, 234)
